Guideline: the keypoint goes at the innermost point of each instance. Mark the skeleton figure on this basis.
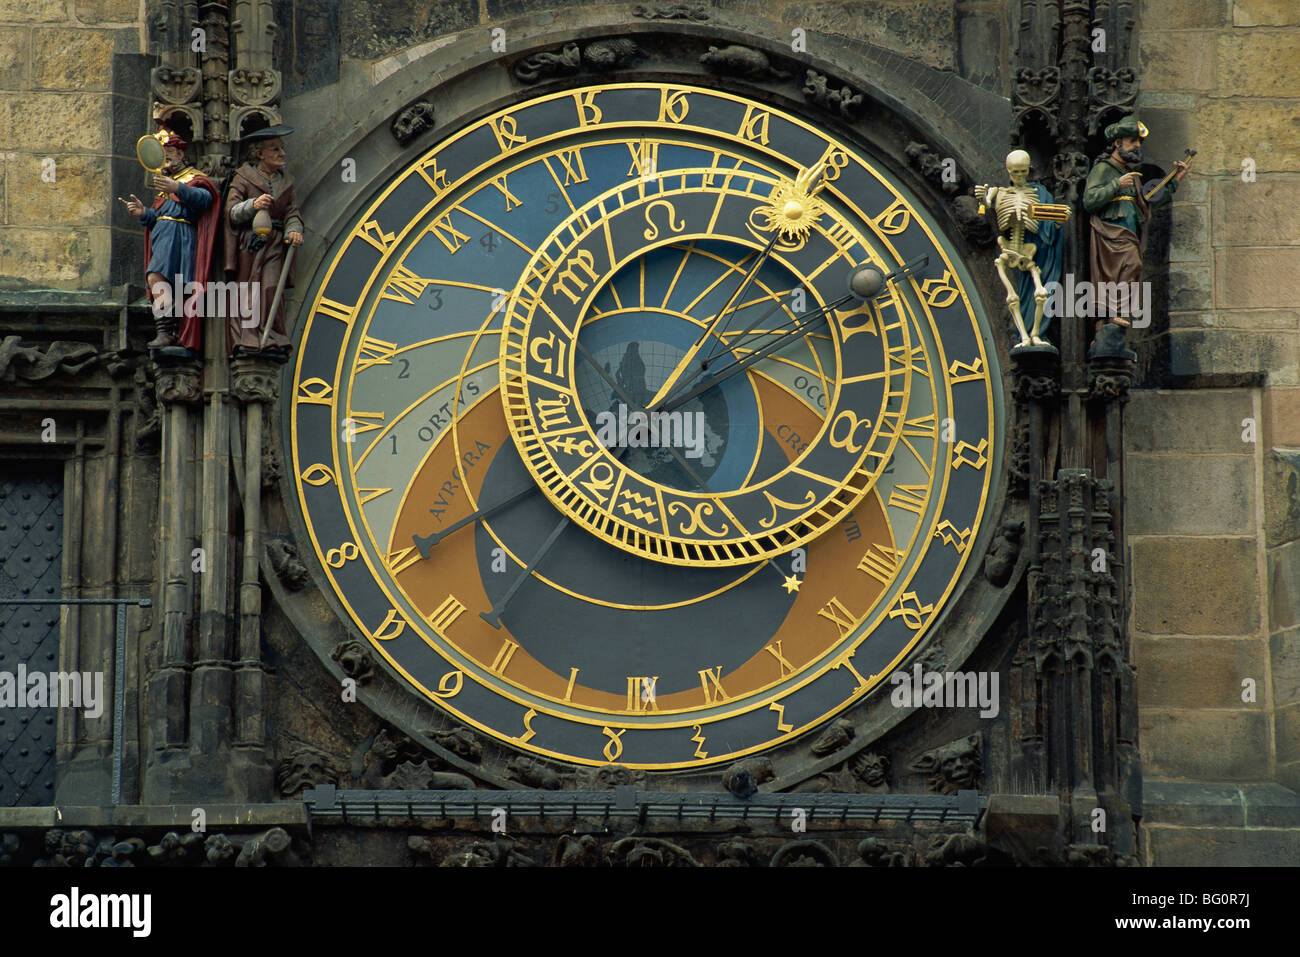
(1014, 207)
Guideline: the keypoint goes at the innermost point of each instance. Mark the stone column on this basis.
(177, 386)
(254, 382)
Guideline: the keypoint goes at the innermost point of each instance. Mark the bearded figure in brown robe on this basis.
(261, 185)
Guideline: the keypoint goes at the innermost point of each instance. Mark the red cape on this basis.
(191, 331)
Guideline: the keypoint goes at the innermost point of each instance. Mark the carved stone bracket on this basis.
(1037, 375)
(1109, 378)
(175, 87)
(178, 380)
(412, 121)
(254, 379)
(1111, 93)
(1035, 95)
(254, 87)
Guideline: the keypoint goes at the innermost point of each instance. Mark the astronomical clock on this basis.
(643, 423)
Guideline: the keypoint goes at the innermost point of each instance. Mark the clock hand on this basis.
(865, 282)
(425, 543)
(791, 583)
(799, 329)
(689, 357)
(493, 617)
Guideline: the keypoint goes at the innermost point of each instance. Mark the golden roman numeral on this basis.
(841, 234)
(926, 426)
(405, 286)
(366, 494)
(641, 693)
(375, 352)
(400, 561)
(336, 310)
(645, 159)
(511, 200)
(774, 649)
(447, 234)
(908, 497)
(575, 171)
(371, 420)
(880, 562)
(502, 660)
(711, 682)
(446, 613)
(835, 611)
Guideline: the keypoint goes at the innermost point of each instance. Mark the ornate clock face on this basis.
(601, 449)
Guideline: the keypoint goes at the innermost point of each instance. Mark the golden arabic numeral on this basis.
(506, 130)
(338, 557)
(528, 726)
(835, 160)
(318, 474)
(962, 448)
(894, 218)
(315, 391)
(910, 609)
(940, 292)
(754, 126)
(390, 627)
(450, 684)
(781, 724)
(374, 234)
(614, 746)
(699, 741)
(959, 371)
(436, 178)
(586, 103)
(673, 106)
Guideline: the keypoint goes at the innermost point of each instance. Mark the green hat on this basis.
(1128, 126)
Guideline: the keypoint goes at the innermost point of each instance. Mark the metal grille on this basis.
(31, 547)
(331, 805)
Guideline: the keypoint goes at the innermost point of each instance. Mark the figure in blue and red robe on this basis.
(181, 229)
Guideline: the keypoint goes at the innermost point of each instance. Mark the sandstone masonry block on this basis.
(1177, 744)
(1226, 847)
(107, 11)
(1248, 278)
(15, 47)
(1197, 672)
(1190, 286)
(33, 258)
(1190, 494)
(1206, 420)
(72, 58)
(1264, 13)
(1179, 15)
(924, 29)
(1282, 417)
(78, 195)
(27, 11)
(1226, 133)
(1260, 213)
(1284, 652)
(1190, 233)
(1281, 496)
(1284, 586)
(1177, 61)
(1265, 63)
(1227, 352)
(59, 122)
(1195, 586)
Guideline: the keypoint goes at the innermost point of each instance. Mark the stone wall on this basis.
(1213, 475)
(57, 96)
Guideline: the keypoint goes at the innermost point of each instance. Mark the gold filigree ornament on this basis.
(794, 208)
